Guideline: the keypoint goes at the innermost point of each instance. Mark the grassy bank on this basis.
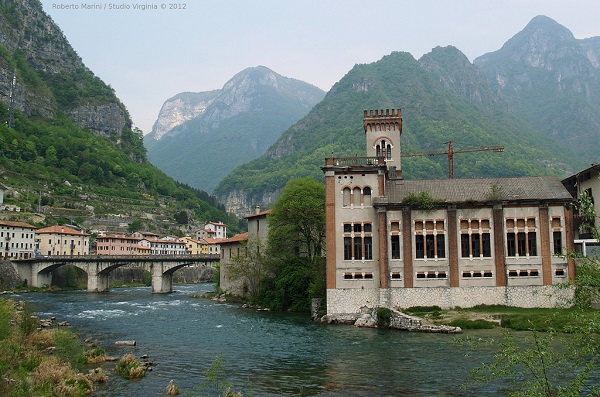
(42, 362)
(521, 319)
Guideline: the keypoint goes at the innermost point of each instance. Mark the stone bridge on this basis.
(38, 271)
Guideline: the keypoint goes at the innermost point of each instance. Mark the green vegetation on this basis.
(27, 365)
(561, 352)
(432, 115)
(384, 315)
(295, 249)
(129, 367)
(290, 271)
(422, 201)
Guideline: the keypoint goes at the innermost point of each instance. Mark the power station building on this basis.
(397, 243)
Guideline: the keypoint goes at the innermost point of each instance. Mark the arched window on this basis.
(377, 150)
(389, 151)
(367, 196)
(346, 197)
(383, 147)
(356, 198)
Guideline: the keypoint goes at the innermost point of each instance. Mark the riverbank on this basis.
(41, 358)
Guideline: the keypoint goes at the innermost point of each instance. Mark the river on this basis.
(264, 354)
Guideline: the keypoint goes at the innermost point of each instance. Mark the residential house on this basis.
(587, 181)
(393, 242)
(17, 240)
(63, 240)
(215, 230)
(238, 247)
(195, 247)
(117, 244)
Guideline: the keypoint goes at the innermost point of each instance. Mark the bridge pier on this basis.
(97, 282)
(162, 283)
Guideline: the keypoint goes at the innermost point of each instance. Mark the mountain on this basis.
(68, 151)
(552, 81)
(443, 97)
(212, 132)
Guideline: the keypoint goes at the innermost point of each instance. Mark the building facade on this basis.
(588, 182)
(17, 240)
(246, 246)
(63, 240)
(395, 243)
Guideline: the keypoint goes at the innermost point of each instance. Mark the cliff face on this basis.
(212, 132)
(40, 73)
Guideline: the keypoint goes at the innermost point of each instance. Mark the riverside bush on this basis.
(129, 367)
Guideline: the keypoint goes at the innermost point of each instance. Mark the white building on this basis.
(17, 240)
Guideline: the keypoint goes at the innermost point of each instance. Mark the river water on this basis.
(264, 354)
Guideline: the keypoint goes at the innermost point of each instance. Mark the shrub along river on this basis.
(263, 353)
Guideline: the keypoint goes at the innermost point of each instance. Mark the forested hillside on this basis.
(437, 107)
(66, 140)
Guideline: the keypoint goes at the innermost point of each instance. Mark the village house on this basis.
(214, 230)
(238, 246)
(63, 240)
(17, 240)
(587, 181)
(116, 244)
(393, 242)
(195, 247)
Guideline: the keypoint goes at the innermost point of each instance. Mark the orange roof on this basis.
(214, 240)
(120, 236)
(17, 224)
(57, 229)
(263, 213)
(236, 239)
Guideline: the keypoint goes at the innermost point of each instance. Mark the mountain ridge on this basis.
(443, 97)
(234, 124)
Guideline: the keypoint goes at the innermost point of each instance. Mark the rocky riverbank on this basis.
(387, 318)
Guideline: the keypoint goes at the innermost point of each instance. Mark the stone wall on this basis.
(351, 300)
(9, 278)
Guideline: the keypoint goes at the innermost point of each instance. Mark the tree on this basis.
(297, 221)
(295, 247)
(551, 363)
(249, 268)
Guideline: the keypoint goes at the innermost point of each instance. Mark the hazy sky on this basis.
(150, 55)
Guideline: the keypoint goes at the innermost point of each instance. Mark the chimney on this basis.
(257, 210)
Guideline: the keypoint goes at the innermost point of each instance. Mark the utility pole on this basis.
(451, 152)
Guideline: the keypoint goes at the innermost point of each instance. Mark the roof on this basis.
(263, 213)
(57, 229)
(236, 239)
(17, 224)
(117, 236)
(537, 188)
(213, 240)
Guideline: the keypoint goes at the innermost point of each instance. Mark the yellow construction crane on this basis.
(451, 152)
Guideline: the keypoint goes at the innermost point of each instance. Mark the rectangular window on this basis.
(521, 245)
(486, 245)
(464, 245)
(430, 246)
(532, 243)
(368, 248)
(357, 248)
(441, 246)
(357, 228)
(510, 244)
(395, 247)
(347, 248)
(347, 228)
(368, 227)
(557, 238)
(475, 245)
(419, 246)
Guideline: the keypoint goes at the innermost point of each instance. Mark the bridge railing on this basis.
(123, 258)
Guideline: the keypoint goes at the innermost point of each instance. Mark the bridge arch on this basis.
(38, 271)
